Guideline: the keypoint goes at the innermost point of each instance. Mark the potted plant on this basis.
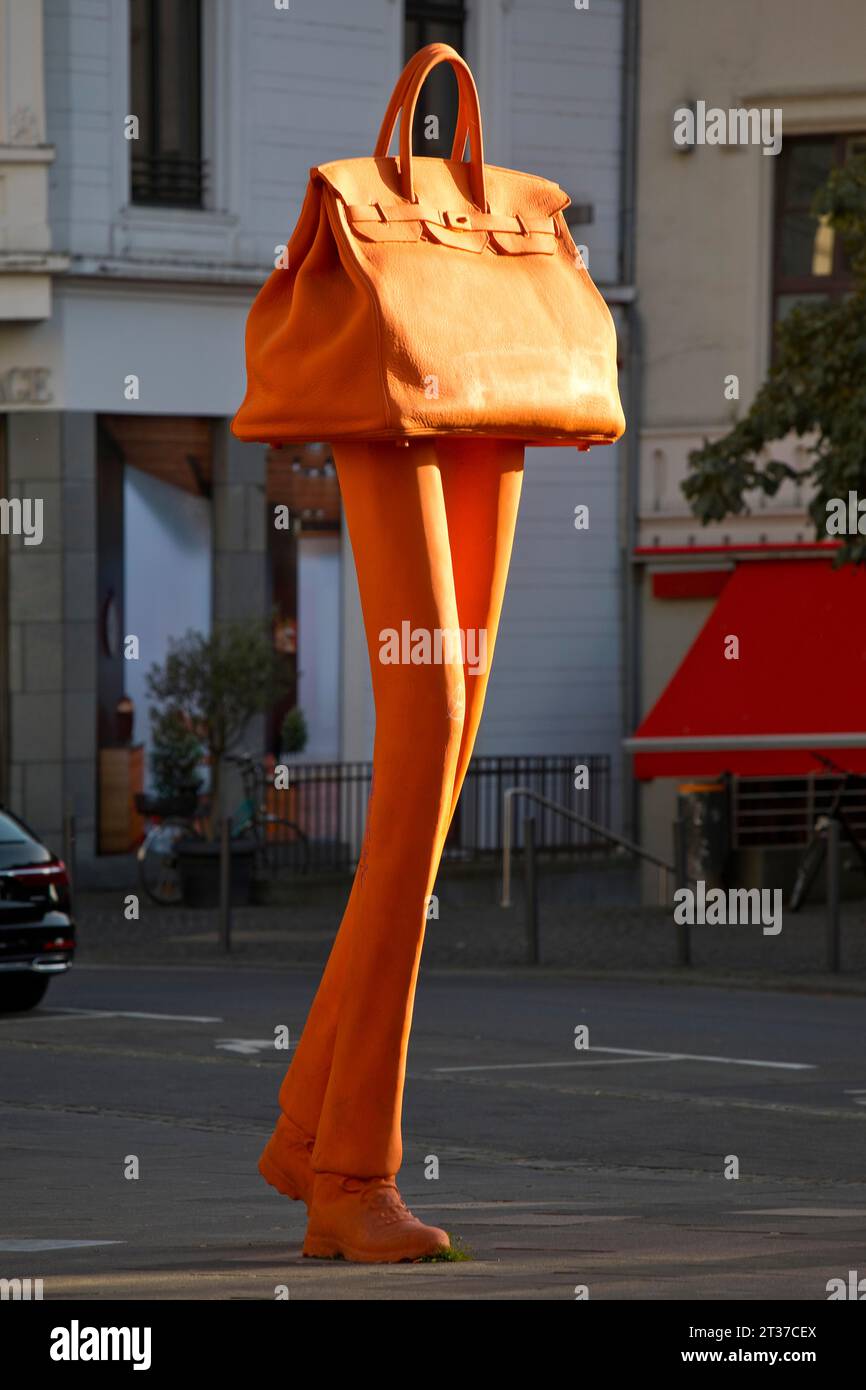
(294, 732)
(175, 758)
(293, 739)
(217, 682)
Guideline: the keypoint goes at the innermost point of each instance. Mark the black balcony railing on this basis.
(166, 180)
(780, 812)
(329, 802)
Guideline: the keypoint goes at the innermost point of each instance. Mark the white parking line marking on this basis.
(602, 1062)
(639, 1054)
(129, 1013)
(836, 1213)
(20, 1245)
(247, 1046)
(504, 1205)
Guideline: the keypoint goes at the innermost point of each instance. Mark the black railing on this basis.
(478, 827)
(780, 812)
(329, 803)
(166, 180)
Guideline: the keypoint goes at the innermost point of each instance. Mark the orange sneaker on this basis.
(366, 1220)
(285, 1161)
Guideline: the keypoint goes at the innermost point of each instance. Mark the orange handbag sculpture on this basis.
(430, 297)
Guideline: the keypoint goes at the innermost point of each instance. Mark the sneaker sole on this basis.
(326, 1248)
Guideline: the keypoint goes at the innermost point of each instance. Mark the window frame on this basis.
(198, 173)
(840, 282)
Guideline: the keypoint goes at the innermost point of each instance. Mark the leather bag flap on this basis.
(521, 219)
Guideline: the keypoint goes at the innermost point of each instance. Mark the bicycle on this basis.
(816, 850)
(281, 847)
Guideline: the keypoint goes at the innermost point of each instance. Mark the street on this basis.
(558, 1169)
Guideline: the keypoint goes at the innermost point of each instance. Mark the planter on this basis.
(199, 865)
(183, 804)
(284, 803)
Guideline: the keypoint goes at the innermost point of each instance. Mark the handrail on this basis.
(512, 792)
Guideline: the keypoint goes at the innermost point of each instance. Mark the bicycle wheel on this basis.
(158, 868)
(807, 872)
(284, 849)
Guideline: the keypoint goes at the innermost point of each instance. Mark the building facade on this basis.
(726, 244)
(154, 157)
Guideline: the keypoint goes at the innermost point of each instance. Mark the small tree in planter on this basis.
(219, 682)
(293, 739)
(175, 759)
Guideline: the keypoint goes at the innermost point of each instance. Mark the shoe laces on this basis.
(382, 1197)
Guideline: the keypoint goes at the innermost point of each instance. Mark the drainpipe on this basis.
(629, 477)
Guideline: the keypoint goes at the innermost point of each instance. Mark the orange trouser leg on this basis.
(431, 531)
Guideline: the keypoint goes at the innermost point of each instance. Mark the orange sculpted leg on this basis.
(431, 529)
(482, 481)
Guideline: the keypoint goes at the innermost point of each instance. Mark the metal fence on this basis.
(478, 825)
(329, 803)
(780, 812)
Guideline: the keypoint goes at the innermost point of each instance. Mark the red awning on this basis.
(798, 686)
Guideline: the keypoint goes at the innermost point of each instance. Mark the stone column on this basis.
(53, 626)
(240, 576)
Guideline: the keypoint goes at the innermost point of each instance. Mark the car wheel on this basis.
(20, 992)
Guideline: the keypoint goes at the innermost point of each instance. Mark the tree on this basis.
(217, 683)
(176, 755)
(816, 386)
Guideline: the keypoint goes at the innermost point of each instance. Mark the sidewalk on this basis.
(473, 932)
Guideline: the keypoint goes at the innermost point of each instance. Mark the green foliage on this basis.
(816, 386)
(294, 732)
(219, 682)
(176, 754)
(457, 1253)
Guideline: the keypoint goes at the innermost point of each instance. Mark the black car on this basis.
(37, 933)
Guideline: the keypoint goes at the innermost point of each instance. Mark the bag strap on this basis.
(457, 221)
(404, 101)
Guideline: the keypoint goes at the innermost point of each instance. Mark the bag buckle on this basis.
(460, 221)
(524, 230)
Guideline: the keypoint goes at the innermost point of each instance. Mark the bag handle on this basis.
(389, 120)
(469, 124)
(404, 101)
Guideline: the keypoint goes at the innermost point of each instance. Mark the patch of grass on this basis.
(456, 1253)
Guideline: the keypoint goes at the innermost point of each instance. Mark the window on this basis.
(165, 86)
(435, 21)
(810, 261)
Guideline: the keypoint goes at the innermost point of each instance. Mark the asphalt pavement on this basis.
(559, 1169)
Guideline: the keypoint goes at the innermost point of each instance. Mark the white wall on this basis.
(555, 685)
(561, 77)
(283, 89)
(167, 543)
(185, 346)
(319, 643)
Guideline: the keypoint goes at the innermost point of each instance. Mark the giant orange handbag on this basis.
(430, 297)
